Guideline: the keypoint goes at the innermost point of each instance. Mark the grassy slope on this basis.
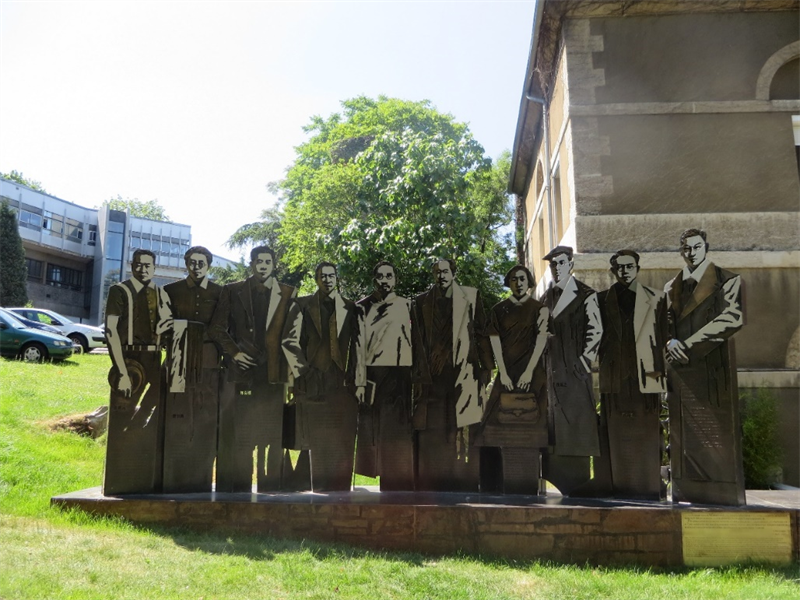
(45, 553)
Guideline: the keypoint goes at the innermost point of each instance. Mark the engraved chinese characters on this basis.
(705, 310)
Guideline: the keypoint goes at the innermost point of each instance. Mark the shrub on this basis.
(761, 449)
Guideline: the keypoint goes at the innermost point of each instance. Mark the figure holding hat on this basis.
(572, 416)
(137, 313)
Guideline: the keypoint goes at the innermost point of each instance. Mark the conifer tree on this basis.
(13, 272)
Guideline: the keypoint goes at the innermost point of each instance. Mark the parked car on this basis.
(88, 337)
(17, 340)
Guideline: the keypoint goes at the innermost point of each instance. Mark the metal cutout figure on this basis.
(452, 365)
(192, 398)
(137, 314)
(248, 325)
(383, 379)
(572, 416)
(319, 342)
(705, 311)
(515, 420)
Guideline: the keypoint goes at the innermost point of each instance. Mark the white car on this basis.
(87, 337)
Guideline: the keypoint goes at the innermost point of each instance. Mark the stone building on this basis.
(641, 119)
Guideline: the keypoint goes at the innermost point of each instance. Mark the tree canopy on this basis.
(394, 180)
(13, 272)
(138, 208)
(20, 178)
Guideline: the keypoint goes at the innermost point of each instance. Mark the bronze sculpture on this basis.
(383, 380)
(572, 416)
(705, 310)
(452, 365)
(137, 314)
(515, 420)
(192, 398)
(319, 341)
(248, 326)
(632, 377)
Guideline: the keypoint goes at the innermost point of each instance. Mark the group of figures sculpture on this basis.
(400, 388)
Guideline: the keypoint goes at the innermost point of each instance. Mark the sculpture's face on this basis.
(197, 266)
(694, 251)
(561, 267)
(518, 283)
(626, 270)
(384, 279)
(443, 275)
(262, 266)
(326, 281)
(143, 268)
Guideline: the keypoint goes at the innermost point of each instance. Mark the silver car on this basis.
(87, 337)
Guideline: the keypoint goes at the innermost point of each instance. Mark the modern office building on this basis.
(74, 254)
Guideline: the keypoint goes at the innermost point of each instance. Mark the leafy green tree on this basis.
(20, 178)
(230, 273)
(395, 180)
(13, 271)
(146, 210)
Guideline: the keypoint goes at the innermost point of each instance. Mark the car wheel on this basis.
(77, 338)
(33, 352)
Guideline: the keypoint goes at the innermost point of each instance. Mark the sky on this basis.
(201, 104)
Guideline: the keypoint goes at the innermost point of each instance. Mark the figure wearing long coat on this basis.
(319, 342)
(250, 318)
(572, 414)
(632, 378)
(451, 351)
(705, 439)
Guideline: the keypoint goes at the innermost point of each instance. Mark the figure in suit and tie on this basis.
(452, 365)
(705, 310)
(248, 325)
(319, 342)
(632, 379)
(571, 350)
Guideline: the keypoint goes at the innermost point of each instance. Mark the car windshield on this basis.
(64, 320)
(12, 320)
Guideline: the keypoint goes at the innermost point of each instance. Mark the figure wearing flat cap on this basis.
(572, 415)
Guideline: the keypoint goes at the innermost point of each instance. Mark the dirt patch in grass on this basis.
(91, 425)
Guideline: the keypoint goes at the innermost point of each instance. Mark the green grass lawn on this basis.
(47, 553)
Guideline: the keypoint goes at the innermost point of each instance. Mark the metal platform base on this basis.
(517, 527)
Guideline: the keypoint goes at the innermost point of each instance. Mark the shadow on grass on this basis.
(267, 548)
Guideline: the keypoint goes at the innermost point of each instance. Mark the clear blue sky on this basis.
(200, 104)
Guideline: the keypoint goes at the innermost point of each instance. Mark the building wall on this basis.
(79, 252)
(685, 120)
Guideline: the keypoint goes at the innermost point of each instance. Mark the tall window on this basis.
(35, 268)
